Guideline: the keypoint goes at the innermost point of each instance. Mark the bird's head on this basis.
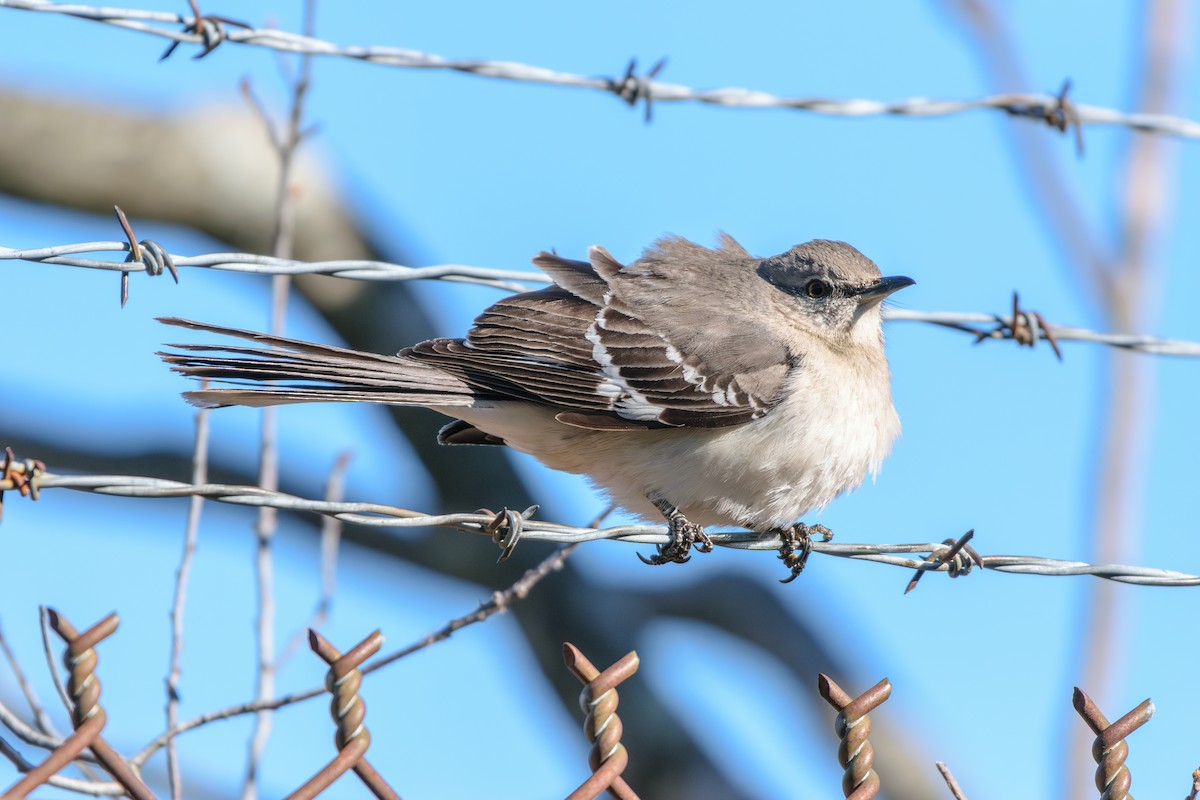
(832, 291)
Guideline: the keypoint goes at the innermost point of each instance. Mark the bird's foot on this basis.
(797, 546)
(684, 535)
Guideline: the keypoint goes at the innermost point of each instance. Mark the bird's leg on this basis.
(684, 534)
(797, 546)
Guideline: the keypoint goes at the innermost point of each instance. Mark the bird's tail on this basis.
(311, 372)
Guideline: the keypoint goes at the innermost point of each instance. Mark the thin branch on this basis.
(95, 788)
(286, 145)
(955, 790)
(51, 661)
(29, 734)
(499, 603)
(191, 533)
(627, 86)
(1117, 527)
(331, 534)
(40, 715)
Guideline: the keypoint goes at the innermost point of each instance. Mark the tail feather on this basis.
(314, 372)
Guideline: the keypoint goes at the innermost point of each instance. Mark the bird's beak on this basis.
(877, 291)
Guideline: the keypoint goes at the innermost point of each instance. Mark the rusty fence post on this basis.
(87, 715)
(598, 701)
(860, 781)
(1109, 750)
(348, 711)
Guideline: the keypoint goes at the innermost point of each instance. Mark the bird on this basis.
(700, 385)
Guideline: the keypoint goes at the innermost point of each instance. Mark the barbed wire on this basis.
(1018, 327)
(354, 269)
(508, 527)
(210, 31)
(1024, 327)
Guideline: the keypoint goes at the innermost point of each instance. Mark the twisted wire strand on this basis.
(211, 31)
(982, 325)
(355, 269)
(379, 515)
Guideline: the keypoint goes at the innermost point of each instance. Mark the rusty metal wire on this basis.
(598, 701)
(87, 715)
(209, 31)
(860, 781)
(348, 711)
(1022, 326)
(500, 602)
(35, 478)
(1110, 751)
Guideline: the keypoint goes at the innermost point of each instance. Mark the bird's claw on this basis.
(797, 546)
(684, 535)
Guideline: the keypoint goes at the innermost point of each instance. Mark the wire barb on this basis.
(21, 477)
(1062, 115)
(959, 559)
(633, 88)
(1023, 327)
(210, 28)
(506, 528)
(152, 256)
(860, 781)
(598, 701)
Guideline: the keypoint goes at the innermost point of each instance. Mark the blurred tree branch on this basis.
(1123, 285)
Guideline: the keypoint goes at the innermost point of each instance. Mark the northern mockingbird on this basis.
(710, 386)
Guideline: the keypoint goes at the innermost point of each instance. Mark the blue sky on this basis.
(475, 171)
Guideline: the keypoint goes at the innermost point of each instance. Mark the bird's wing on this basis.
(582, 347)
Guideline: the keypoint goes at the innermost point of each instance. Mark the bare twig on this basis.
(331, 534)
(286, 144)
(955, 790)
(498, 603)
(1122, 287)
(191, 533)
(40, 716)
(51, 661)
(89, 787)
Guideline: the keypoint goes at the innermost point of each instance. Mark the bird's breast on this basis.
(828, 431)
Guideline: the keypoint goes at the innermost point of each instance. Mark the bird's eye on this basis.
(817, 288)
